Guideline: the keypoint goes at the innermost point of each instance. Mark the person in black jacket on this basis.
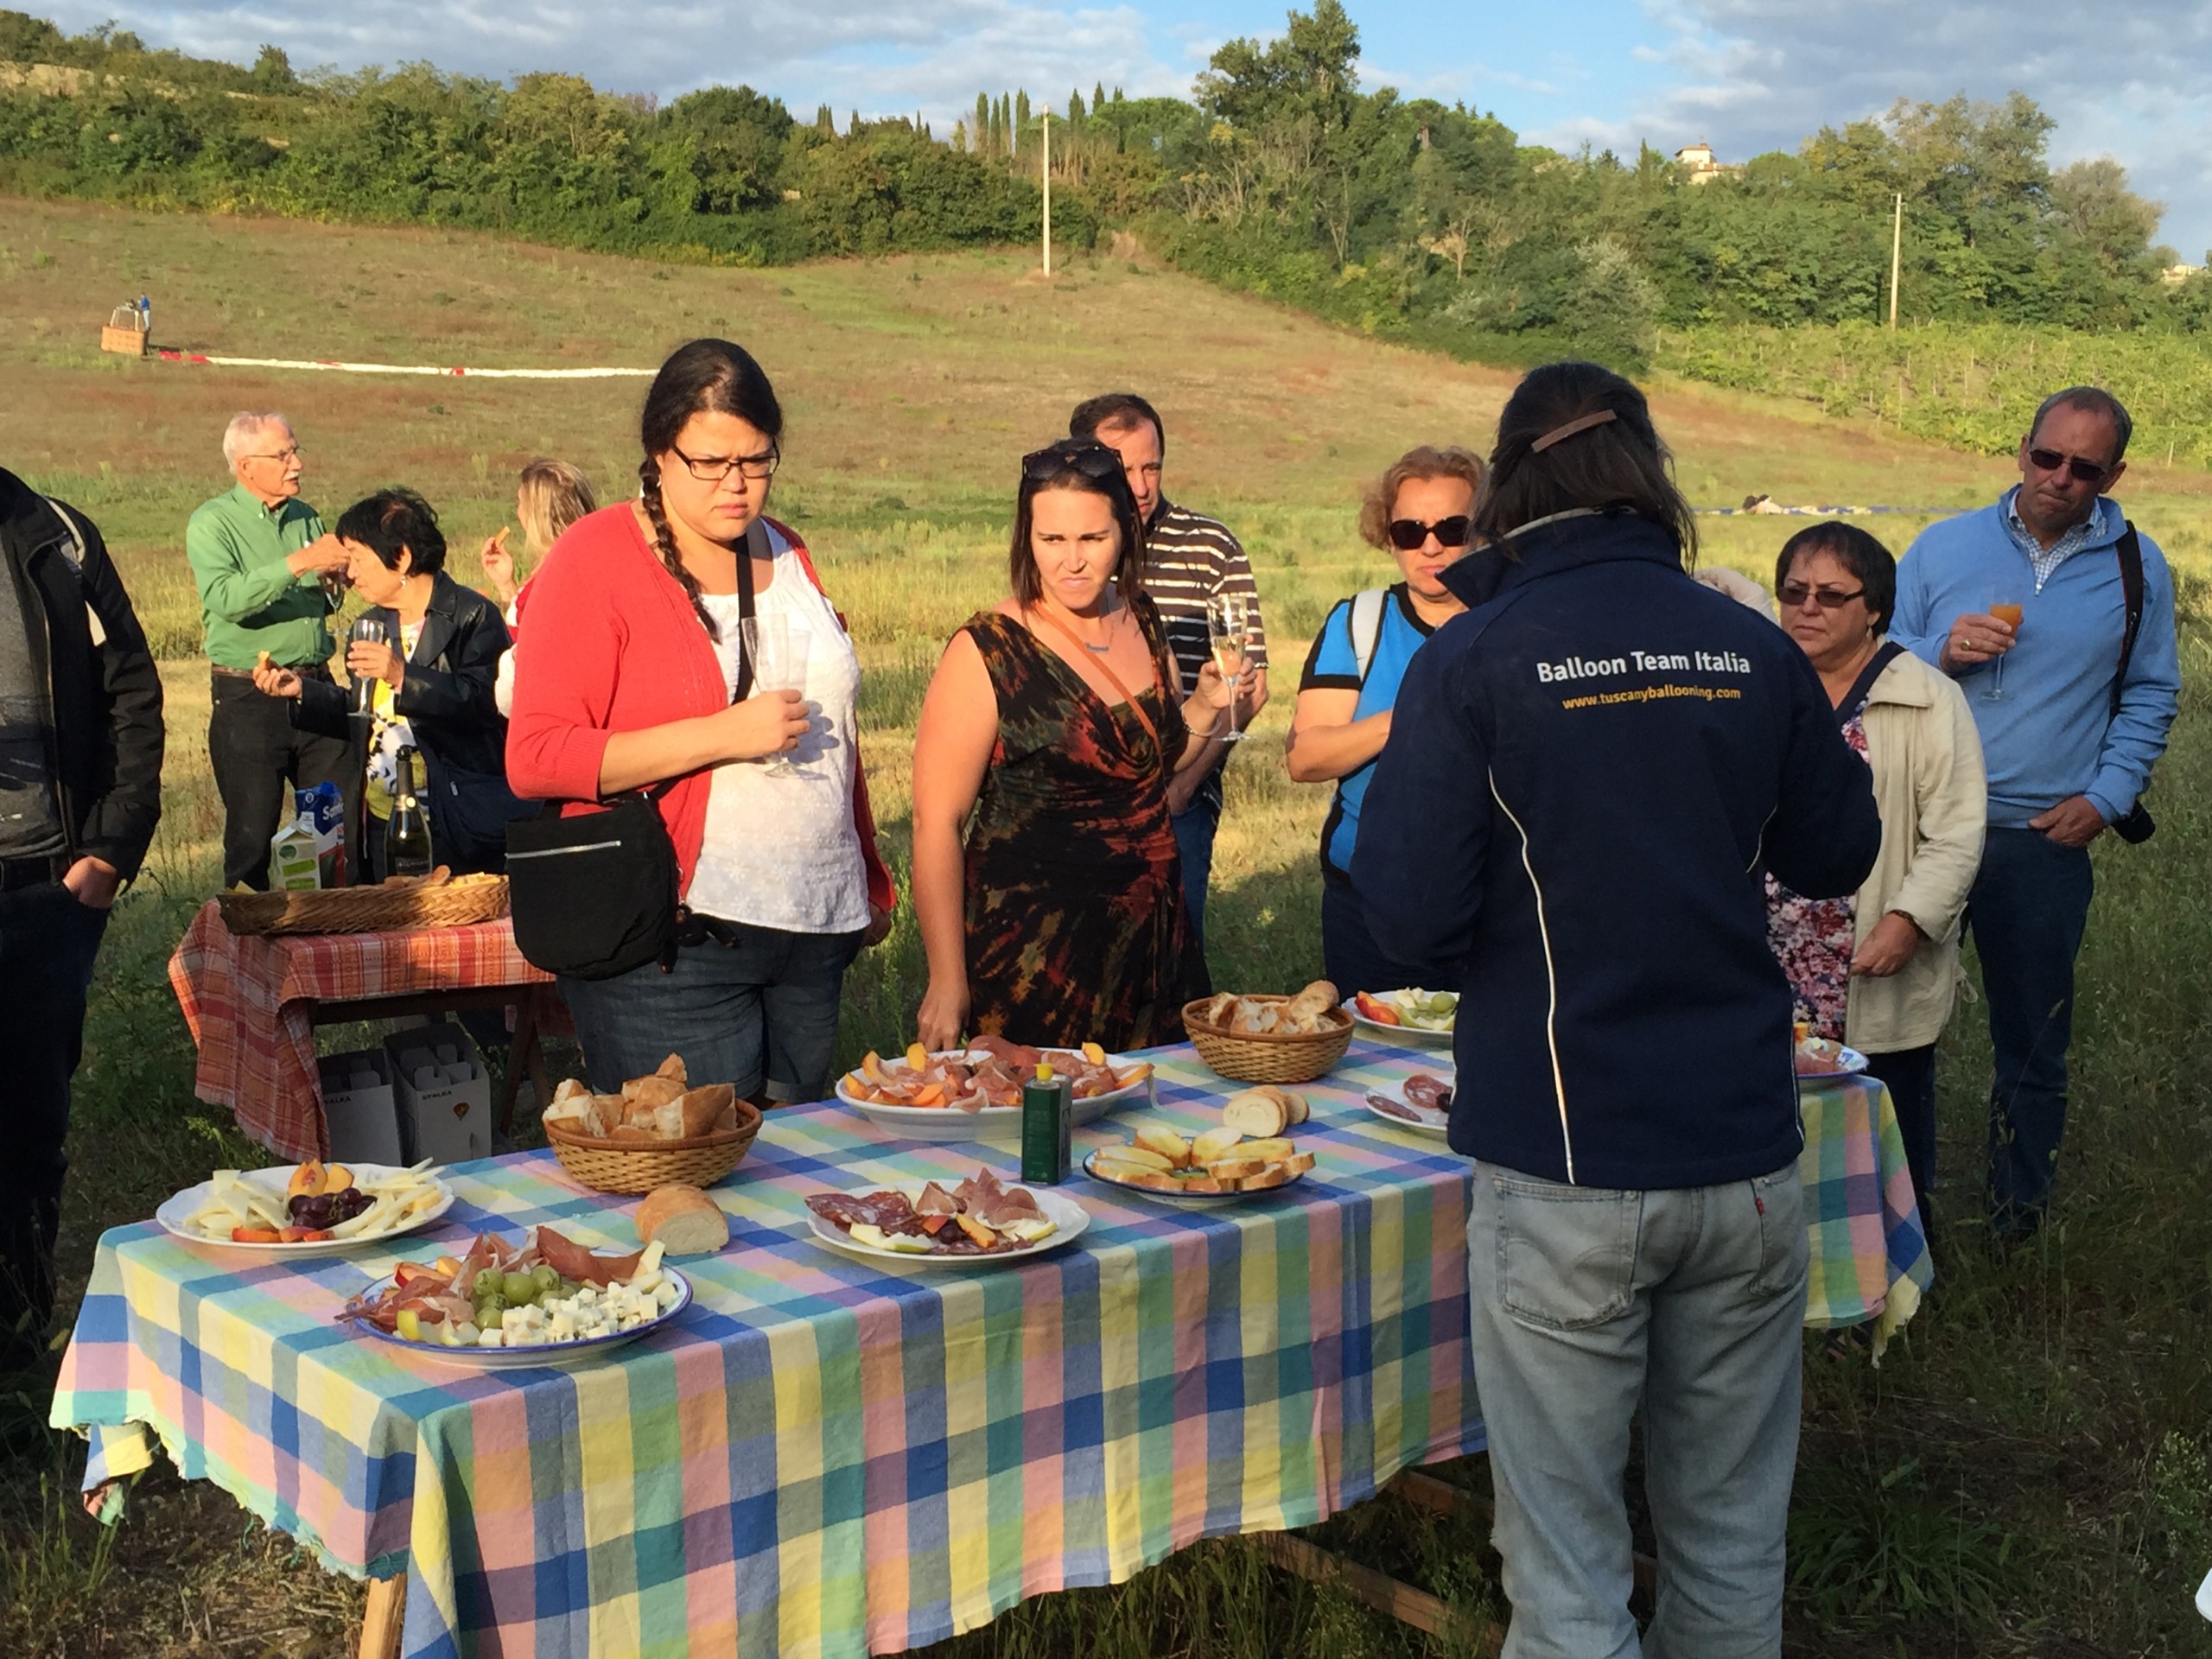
(80, 792)
(1591, 772)
(433, 672)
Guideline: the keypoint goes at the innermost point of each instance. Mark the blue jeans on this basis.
(761, 1009)
(2027, 910)
(1589, 1303)
(1195, 827)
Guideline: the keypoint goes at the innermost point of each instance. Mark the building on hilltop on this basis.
(1702, 167)
(2176, 274)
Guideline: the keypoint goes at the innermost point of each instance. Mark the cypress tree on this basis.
(1020, 121)
(1075, 109)
(982, 118)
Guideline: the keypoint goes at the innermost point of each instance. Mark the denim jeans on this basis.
(2027, 910)
(48, 941)
(1589, 1303)
(761, 1010)
(1195, 827)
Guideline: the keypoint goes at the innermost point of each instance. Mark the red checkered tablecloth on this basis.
(250, 1003)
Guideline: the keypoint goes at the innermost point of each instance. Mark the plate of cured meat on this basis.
(1823, 1057)
(974, 1093)
(928, 1225)
(1423, 1104)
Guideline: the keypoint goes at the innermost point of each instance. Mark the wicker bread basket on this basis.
(365, 910)
(1268, 1056)
(639, 1166)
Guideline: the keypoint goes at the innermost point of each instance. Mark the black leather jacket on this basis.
(447, 697)
(104, 691)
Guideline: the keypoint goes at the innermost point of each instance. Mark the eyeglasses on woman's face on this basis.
(713, 469)
(1792, 595)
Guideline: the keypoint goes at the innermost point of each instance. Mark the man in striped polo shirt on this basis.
(1188, 560)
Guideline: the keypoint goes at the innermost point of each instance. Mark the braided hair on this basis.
(704, 377)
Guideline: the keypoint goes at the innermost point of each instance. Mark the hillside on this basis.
(2026, 1474)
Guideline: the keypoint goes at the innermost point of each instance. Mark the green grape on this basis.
(487, 1283)
(517, 1288)
(490, 1316)
(546, 1277)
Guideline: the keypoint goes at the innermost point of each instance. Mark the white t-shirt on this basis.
(782, 851)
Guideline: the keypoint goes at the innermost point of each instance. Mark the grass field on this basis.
(2025, 1475)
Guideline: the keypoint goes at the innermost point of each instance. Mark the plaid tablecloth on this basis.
(824, 1455)
(250, 1003)
(1870, 1257)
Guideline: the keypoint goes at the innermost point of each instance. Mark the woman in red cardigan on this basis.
(636, 673)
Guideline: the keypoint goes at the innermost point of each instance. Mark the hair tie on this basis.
(1580, 424)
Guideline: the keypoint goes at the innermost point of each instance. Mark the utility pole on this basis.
(1897, 248)
(1048, 190)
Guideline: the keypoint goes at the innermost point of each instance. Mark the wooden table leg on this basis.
(522, 1057)
(380, 1623)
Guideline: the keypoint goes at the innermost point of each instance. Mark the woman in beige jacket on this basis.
(1880, 971)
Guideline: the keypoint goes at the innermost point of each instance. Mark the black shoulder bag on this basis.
(2137, 826)
(594, 895)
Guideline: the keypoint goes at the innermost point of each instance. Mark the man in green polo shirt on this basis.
(260, 555)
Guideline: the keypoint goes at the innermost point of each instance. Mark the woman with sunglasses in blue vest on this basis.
(1046, 882)
(1421, 511)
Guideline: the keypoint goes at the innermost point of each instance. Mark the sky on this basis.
(1747, 76)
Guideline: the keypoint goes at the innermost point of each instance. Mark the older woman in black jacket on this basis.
(432, 676)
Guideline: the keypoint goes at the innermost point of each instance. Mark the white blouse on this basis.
(782, 851)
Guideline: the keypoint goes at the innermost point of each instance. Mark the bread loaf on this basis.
(683, 1221)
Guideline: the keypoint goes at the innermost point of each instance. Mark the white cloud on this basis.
(883, 57)
(2132, 81)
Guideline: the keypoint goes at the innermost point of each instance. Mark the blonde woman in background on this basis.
(550, 497)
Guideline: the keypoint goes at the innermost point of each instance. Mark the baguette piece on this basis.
(1273, 1175)
(1140, 1157)
(1158, 1138)
(683, 1221)
(649, 1094)
(1215, 1143)
(1256, 1112)
(1266, 1151)
(701, 1108)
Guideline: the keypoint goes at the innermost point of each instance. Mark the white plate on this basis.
(1414, 1034)
(1068, 1217)
(1851, 1063)
(1437, 1127)
(542, 1353)
(1187, 1200)
(172, 1214)
(999, 1124)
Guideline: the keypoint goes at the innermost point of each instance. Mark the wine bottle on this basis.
(407, 849)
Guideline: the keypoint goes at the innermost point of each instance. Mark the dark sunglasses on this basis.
(2050, 460)
(1793, 594)
(1091, 460)
(1408, 534)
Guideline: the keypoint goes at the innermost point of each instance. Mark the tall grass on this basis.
(2026, 1474)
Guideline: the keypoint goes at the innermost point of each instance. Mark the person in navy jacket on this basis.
(1590, 773)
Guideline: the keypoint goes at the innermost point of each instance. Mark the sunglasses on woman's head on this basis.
(1407, 535)
(1091, 460)
(2086, 472)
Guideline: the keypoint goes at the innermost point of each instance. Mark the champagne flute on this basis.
(2009, 608)
(1228, 631)
(366, 631)
(778, 650)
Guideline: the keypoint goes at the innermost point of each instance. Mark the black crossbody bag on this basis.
(594, 895)
(2137, 826)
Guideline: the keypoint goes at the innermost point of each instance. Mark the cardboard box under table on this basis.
(252, 1003)
(823, 1455)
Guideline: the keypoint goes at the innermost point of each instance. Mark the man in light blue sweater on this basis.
(2024, 603)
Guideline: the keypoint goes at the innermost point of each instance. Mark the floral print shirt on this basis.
(1813, 938)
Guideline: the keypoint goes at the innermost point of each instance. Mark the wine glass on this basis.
(2006, 607)
(779, 649)
(366, 631)
(1229, 632)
